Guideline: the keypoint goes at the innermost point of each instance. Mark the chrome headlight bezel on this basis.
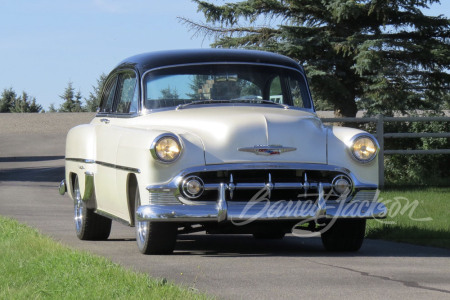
(157, 153)
(353, 151)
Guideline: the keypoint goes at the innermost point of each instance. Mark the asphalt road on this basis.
(229, 267)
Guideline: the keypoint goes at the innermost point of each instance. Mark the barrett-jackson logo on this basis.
(267, 149)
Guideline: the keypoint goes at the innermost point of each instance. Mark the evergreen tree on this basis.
(7, 100)
(72, 101)
(24, 105)
(381, 55)
(52, 108)
(93, 101)
(169, 93)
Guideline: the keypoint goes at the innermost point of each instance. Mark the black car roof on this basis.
(152, 60)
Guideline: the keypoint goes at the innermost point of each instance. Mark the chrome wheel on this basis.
(154, 237)
(88, 225)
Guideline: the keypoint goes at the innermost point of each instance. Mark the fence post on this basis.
(380, 138)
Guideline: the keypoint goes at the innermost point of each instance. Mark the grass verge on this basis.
(34, 266)
(414, 216)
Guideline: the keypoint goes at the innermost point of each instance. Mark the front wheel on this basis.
(345, 235)
(154, 237)
(88, 224)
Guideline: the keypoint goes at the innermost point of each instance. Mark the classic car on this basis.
(222, 141)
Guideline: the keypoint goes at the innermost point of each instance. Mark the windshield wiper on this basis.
(253, 100)
(181, 106)
(256, 100)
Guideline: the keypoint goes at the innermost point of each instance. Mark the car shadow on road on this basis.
(33, 174)
(292, 246)
(29, 158)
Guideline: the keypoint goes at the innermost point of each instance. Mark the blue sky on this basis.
(44, 44)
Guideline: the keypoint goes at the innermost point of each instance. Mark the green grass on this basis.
(34, 266)
(417, 216)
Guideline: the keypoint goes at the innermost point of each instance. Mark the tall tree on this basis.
(7, 100)
(23, 104)
(72, 101)
(93, 101)
(382, 55)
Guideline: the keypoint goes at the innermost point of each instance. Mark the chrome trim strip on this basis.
(123, 168)
(81, 160)
(104, 164)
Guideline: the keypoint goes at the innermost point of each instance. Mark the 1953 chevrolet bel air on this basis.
(222, 141)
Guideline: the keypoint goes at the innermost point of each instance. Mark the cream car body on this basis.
(228, 149)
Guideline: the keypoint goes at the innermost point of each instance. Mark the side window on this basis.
(299, 93)
(107, 100)
(127, 93)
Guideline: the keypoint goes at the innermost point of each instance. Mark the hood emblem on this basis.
(267, 149)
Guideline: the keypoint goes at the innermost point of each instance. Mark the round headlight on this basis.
(166, 148)
(364, 148)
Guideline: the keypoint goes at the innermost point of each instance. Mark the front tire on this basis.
(88, 224)
(345, 235)
(154, 237)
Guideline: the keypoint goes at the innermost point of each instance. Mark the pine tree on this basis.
(72, 101)
(24, 105)
(7, 100)
(93, 102)
(380, 55)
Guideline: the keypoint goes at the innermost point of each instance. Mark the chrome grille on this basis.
(163, 199)
(279, 184)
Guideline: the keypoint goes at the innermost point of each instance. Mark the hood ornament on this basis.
(267, 149)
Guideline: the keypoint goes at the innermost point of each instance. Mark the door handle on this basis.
(106, 121)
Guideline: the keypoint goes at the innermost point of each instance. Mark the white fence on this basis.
(381, 135)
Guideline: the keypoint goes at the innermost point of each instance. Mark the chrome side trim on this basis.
(118, 167)
(81, 160)
(104, 164)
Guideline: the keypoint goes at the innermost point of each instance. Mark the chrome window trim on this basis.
(111, 114)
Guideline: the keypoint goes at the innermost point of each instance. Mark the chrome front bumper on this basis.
(261, 210)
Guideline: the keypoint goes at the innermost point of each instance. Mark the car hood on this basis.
(233, 134)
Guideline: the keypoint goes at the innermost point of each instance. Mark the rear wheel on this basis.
(345, 235)
(88, 224)
(154, 237)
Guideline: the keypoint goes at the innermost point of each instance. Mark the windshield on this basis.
(244, 83)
